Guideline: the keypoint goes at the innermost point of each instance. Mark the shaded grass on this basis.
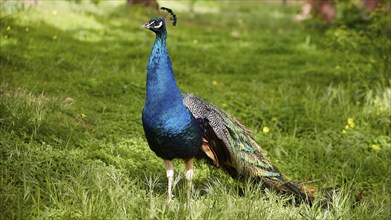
(72, 90)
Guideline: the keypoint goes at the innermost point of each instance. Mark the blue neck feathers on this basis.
(162, 90)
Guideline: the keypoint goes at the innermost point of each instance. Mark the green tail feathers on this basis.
(252, 163)
(229, 145)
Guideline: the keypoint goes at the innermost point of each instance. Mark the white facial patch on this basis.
(159, 25)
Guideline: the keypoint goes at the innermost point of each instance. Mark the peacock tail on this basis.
(229, 145)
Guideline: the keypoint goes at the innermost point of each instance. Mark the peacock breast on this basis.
(172, 134)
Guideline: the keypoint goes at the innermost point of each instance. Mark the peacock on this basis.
(183, 126)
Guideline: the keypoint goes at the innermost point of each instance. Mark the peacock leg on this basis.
(170, 176)
(189, 174)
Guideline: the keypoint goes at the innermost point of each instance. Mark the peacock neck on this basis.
(162, 90)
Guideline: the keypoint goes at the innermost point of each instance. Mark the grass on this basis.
(73, 86)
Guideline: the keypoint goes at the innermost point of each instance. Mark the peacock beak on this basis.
(146, 25)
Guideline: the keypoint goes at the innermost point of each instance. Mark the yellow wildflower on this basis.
(265, 130)
(351, 122)
(375, 147)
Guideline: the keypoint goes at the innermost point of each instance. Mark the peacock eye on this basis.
(159, 25)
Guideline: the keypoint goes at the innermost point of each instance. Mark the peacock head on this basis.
(158, 25)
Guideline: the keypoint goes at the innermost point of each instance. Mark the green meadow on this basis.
(316, 96)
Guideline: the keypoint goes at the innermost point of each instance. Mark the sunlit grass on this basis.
(73, 86)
